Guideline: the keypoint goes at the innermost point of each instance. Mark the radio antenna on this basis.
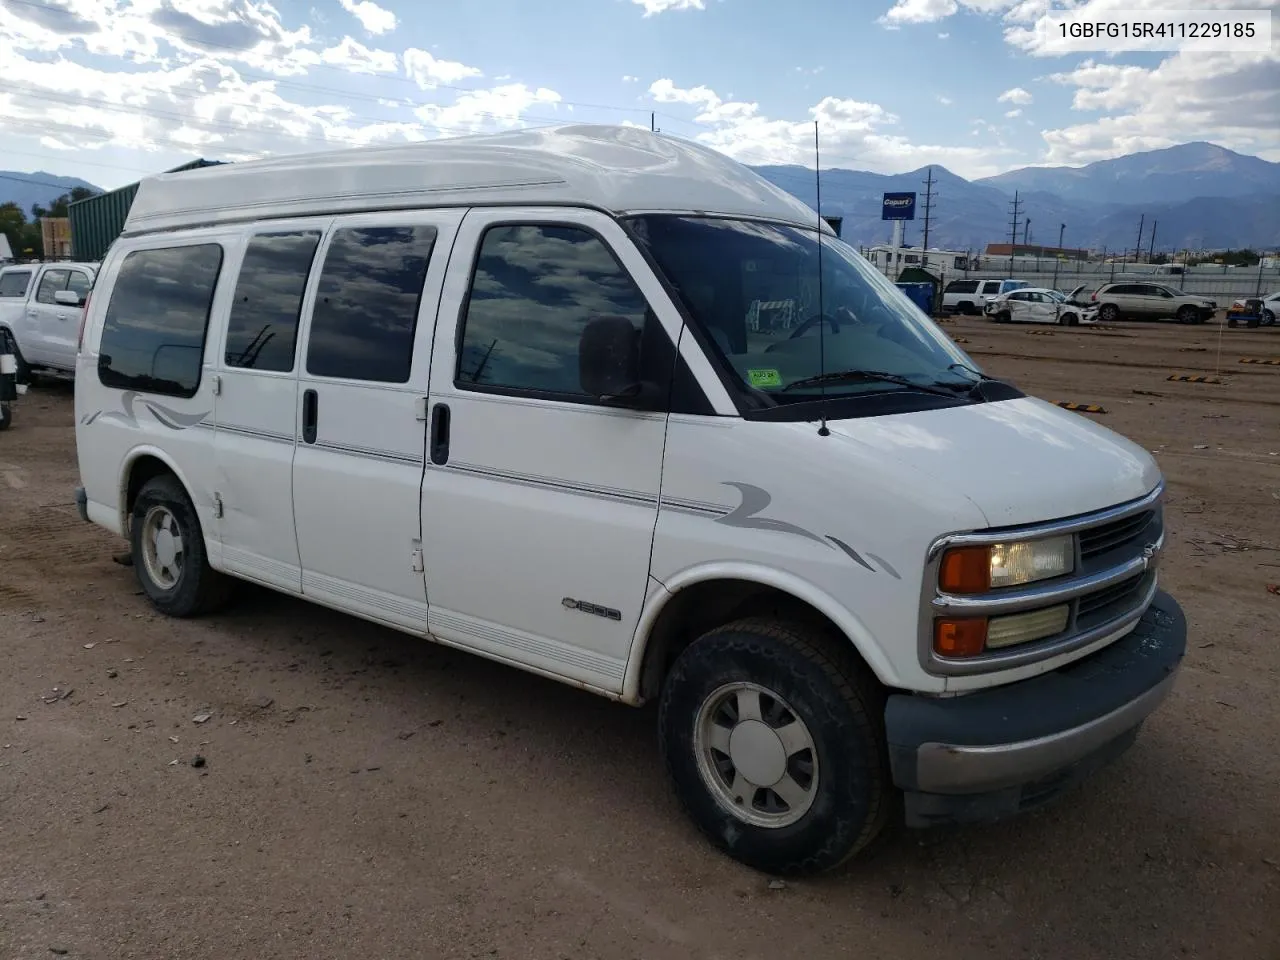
(822, 323)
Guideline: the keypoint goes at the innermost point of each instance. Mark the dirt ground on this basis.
(365, 794)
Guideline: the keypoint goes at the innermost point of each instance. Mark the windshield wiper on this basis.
(869, 376)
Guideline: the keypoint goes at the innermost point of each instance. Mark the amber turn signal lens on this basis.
(960, 638)
(965, 570)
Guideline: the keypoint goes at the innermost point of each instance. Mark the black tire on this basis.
(1188, 315)
(9, 344)
(1004, 317)
(1068, 320)
(6, 416)
(1231, 321)
(197, 587)
(1109, 313)
(1268, 318)
(824, 685)
(968, 309)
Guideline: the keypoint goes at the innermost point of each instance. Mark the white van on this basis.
(578, 399)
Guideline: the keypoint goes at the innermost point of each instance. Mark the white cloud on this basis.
(944, 36)
(429, 72)
(852, 134)
(1015, 95)
(628, 78)
(1010, 114)
(501, 107)
(356, 57)
(1228, 98)
(945, 101)
(930, 11)
(169, 78)
(372, 17)
(652, 7)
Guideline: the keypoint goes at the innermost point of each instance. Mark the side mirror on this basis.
(68, 298)
(609, 359)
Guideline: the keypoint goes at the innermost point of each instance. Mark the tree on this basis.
(59, 207)
(12, 224)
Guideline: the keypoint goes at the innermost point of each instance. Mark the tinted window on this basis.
(1121, 290)
(263, 328)
(153, 335)
(79, 283)
(535, 289)
(50, 283)
(992, 286)
(14, 283)
(367, 305)
(962, 286)
(1020, 296)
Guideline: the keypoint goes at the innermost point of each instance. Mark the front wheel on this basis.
(773, 738)
(1268, 318)
(1188, 315)
(1068, 320)
(1109, 313)
(167, 547)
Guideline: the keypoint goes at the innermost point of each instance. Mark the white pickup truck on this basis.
(41, 306)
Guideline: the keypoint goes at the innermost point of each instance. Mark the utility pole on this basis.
(1015, 215)
(1026, 233)
(1137, 250)
(1151, 250)
(1057, 259)
(928, 212)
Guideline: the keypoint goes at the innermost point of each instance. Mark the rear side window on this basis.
(263, 328)
(154, 331)
(535, 288)
(366, 309)
(14, 283)
(991, 286)
(51, 283)
(962, 286)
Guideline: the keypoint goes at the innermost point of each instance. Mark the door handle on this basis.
(310, 415)
(440, 434)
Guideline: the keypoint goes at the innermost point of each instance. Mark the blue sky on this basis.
(112, 89)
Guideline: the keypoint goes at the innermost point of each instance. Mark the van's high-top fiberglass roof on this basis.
(618, 169)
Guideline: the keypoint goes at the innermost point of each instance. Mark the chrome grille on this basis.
(1096, 541)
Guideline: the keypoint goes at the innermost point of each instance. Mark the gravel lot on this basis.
(365, 794)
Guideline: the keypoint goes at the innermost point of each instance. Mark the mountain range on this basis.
(1199, 195)
(28, 189)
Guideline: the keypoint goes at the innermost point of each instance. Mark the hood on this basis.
(1018, 461)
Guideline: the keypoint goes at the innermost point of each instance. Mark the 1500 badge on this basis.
(593, 608)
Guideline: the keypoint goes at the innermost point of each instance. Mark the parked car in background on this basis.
(1270, 307)
(968, 296)
(1151, 301)
(1038, 305)
(41, 306)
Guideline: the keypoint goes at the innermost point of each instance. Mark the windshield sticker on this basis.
(768, 377)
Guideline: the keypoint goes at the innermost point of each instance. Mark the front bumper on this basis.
(991, 754)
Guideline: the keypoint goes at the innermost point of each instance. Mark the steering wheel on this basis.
(816, 318)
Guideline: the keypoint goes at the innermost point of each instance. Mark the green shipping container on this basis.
(97, 221)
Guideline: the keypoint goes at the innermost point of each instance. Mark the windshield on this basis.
(753, 288)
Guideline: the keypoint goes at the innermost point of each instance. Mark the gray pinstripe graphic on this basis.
(581, 489)
(390, 456)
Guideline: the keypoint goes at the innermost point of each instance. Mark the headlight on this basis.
(978, 569)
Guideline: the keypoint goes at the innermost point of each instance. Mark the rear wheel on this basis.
(167, 546)
(773, 739)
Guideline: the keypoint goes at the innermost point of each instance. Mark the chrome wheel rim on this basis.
(163, 550)
(755, 755)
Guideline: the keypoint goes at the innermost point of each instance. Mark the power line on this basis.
(928, 210)
(1014, 214)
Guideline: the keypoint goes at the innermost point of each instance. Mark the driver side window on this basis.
(534, 289)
